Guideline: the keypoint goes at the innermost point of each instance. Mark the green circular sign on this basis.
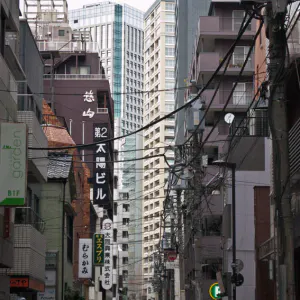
(214, 291)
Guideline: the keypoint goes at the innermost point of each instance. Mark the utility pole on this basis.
(198, 210)
(279, 131)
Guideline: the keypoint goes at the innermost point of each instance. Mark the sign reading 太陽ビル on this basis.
(85, 258)
(13, 164)
(98, 249)
(107, 231)
(101, 158)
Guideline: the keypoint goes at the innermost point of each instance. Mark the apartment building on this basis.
(159, 28)
(22, 239)
(208, 249)
(118, 31)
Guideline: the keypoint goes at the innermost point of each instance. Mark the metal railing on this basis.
(27, 216)
(75, 77)
(71, 47)
(266, 249)
(55, 121)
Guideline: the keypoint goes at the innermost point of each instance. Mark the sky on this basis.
(140, 4)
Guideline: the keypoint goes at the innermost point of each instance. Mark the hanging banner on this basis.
(101, 158)
(85, 258)
(107, 276)
(98, 249)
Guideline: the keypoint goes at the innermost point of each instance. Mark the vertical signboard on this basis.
(85, 258)
(107, 230)
(98, 249)
(101, 157)
(13, 163)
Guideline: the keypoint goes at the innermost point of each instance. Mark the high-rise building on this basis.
(118, 30)
(159, 28)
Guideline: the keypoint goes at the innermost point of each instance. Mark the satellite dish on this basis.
(229, 118)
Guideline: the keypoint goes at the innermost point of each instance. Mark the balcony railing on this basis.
(266, 249)
(70, 47)
(75, 77)
(55, 121)
(27, 216)
(294, 146)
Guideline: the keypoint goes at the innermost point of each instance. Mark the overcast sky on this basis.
(140, 4)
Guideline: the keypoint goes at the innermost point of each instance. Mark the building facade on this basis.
(207, 234)
(159, 78)
(118, 31)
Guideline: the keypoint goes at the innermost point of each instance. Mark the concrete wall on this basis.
(245, 231)
(51, 211)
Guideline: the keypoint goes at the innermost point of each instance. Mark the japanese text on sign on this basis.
(88, 97)
(85, 258)
(101, 156)
(107, 230)
(98, 249)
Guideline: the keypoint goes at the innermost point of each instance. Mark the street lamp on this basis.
(231, 166)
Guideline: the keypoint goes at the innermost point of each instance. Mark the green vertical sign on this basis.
(98, 249)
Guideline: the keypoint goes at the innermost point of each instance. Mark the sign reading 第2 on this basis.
(85, 258)
(101, 157)
(107, 231)
(98, 249)
(13, 163)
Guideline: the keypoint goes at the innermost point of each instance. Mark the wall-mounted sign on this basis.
(49, 294)
(13, 163)
(89, 98)
(50, 277)
(101, 157)
(107, 230)
(85, 258)
(214, 291)
(98, 249)
(19, 282)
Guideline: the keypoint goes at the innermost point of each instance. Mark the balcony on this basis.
(29, 245)
(37, 168)
(223, 28)
(239, 101)
(75, 77)
(71, 47)
(266, 249)
(208, 62)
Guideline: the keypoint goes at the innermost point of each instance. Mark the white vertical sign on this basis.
(85, 258)
(107, 276)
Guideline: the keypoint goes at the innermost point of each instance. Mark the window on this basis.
(170, 6)
(170, 40)
(82, 70)
(211, 225)
(239, 56)
(109, 36)
(170, 17)
(170, 95)
(125, 247)
(125, 221)
(70, 238)
(169, 84)
(170, 28)
(125, 234)
(170, 51)
(169, 107)
(170, 74)
(125, 260)
(61, 32)
(242, 94)
(170, 63)
(237, 20)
